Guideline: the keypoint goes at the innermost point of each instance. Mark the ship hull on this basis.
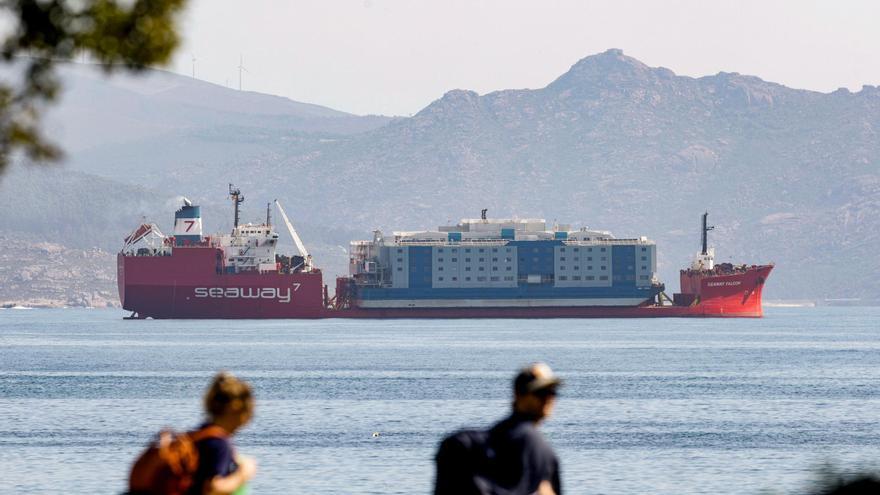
(191, 283)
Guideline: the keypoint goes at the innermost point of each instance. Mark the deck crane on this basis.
(296, 240)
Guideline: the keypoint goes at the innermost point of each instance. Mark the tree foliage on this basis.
(130, 35)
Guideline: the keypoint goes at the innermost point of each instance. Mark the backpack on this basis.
(168, 465)
(464, 463)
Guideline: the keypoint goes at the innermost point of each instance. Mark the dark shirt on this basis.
(520, 456)
(216, 458)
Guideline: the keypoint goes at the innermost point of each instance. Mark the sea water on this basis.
(649, 406)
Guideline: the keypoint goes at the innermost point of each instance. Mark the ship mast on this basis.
(237, 199)
(705, 232)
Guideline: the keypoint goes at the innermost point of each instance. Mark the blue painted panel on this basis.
(188, 212)
(521, 292)
(508, 234)
(535, 257)
(623, 266)
(560, 235)
(420, 269)
(454, 237)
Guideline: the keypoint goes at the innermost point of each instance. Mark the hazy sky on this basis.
(394, 57)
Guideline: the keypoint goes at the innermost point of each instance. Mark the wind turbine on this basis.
(240, 69)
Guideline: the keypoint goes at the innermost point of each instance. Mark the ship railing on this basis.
(576, 242)
(446, 242)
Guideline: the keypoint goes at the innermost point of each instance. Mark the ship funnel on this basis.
(187, 224)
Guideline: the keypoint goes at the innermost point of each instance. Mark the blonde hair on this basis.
(228, 393)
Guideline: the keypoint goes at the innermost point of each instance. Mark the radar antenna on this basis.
(237, 199)
(483, 213)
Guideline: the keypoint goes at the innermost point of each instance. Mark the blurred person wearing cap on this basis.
(512, 457)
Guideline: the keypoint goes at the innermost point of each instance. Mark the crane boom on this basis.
(296, 240)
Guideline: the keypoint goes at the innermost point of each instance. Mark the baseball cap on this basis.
(537, 376)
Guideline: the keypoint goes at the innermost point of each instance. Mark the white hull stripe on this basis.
(498, 303)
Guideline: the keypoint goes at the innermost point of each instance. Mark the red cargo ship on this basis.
(239, 275)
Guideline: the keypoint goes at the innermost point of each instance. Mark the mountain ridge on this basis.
(789, 175)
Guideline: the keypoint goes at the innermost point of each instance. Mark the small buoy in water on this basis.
(375, 434)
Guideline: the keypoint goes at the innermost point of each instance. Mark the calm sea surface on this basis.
(664, 406)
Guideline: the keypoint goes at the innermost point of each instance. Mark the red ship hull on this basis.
(191, 283)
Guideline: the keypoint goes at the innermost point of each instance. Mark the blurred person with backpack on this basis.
(512, 457)
(201, 462)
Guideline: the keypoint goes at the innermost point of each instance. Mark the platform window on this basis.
(494, 268)
(467, 250)
(644, 249)
(562, 249)
(589, 258)
(589, 277)
(509, 268)
(603, 250)
(482, 269)
(439, 268)
(603, 268)
(400, 260)
(563, 278)
(562, 258)
(494, 260)
(455, 250)
(508, 279)
(562, 267)
(589, 249)
(603, 258)
(440, 250)
(481, 279)
(508, 250)
(508, 260)
(577, 258)
(644, 258)
(493, 279)
(643, 277)
(467, 260)
(494, 250)
(644, 267)
(440, 260)
(467, 268)
(589, 267)
(603, 277)
(440, 279)
(482, 260)
(454, 279)
(577, 267)
(576, 249)
(455, 260)
(399, 269)
(576, 277)
(482, 250)
(400, 250)
(467, 279)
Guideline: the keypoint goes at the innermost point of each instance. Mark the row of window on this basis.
(585, 277)
(479, 268)
(589, 258)
(508, 278)
(577, 249)
(468, 260)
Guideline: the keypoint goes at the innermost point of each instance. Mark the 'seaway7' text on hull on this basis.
(480, 268)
